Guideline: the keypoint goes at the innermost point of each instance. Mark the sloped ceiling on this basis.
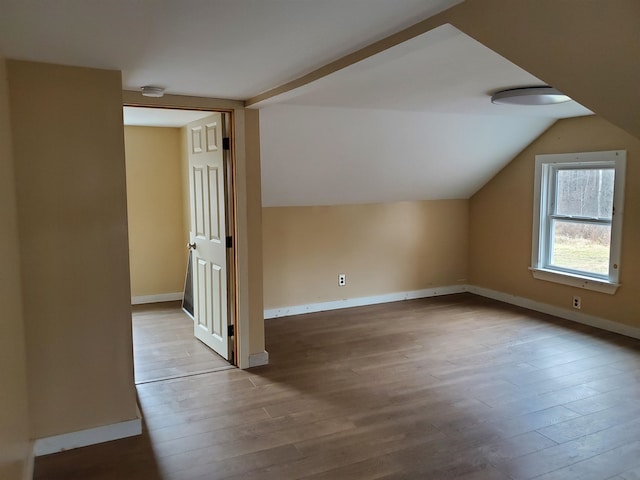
(331, 156)
(411, 122)
(440, 71)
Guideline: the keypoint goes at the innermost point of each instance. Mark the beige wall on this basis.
(501, 224)
(14, 433)
(184, 179)
(582, 48)
(254, 229)
(157, 252)
(70, 179)
(382, 248)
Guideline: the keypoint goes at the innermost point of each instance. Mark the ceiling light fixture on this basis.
(529, 96)
(149, 91)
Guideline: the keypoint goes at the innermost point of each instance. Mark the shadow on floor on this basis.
(103, 461)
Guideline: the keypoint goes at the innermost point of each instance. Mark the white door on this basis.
(207, 235)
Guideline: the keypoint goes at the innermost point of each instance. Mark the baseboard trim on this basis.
(575, 316)
(28, 466)
(362, 301)
(83, 438)
(565, 313)
(161, 297)
(259, 359)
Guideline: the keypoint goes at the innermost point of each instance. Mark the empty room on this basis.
(334, 239)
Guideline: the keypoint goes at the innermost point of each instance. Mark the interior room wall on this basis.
(14, 423)
(157, 252)
(184, 179)
(382, 248)
(582, 50)
(68, 146)
(501, 220)
(253, 190)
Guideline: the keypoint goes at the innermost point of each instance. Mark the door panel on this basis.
(199, 205)
(209, 256)
(215, 207)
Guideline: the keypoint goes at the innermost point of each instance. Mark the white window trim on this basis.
(615, 158)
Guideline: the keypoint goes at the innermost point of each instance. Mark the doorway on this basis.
(164, 341)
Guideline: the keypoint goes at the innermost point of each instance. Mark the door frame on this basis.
(231, 224)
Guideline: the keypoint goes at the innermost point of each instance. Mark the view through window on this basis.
(581, 223)
(578, 215)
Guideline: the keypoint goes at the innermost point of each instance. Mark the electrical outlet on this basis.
(342, 279)
(577, 302)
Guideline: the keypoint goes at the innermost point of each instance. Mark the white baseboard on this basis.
(161, 297)
(259, 359)
(91, 436)
(28, 466)
(362, 301)
(565, 313)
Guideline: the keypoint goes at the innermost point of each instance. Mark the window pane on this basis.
(585, 192)
(581, 246)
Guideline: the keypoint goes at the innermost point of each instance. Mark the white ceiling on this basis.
(412, 122)
(214, 48)
(332, 156)
(443, 71)
(160, 117)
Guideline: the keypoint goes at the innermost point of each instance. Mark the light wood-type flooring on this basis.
(455, 387)
(164, 346)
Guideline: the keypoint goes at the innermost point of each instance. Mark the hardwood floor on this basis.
(456, 387)
(164, 346)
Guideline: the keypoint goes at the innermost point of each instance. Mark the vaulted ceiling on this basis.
(413, 121)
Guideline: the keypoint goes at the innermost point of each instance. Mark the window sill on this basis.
(575, 280)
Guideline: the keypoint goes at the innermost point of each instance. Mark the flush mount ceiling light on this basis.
(529, 96)
(149, 91)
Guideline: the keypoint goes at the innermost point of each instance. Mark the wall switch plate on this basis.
(342, 279)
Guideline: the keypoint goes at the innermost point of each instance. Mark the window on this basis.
(577, 222)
